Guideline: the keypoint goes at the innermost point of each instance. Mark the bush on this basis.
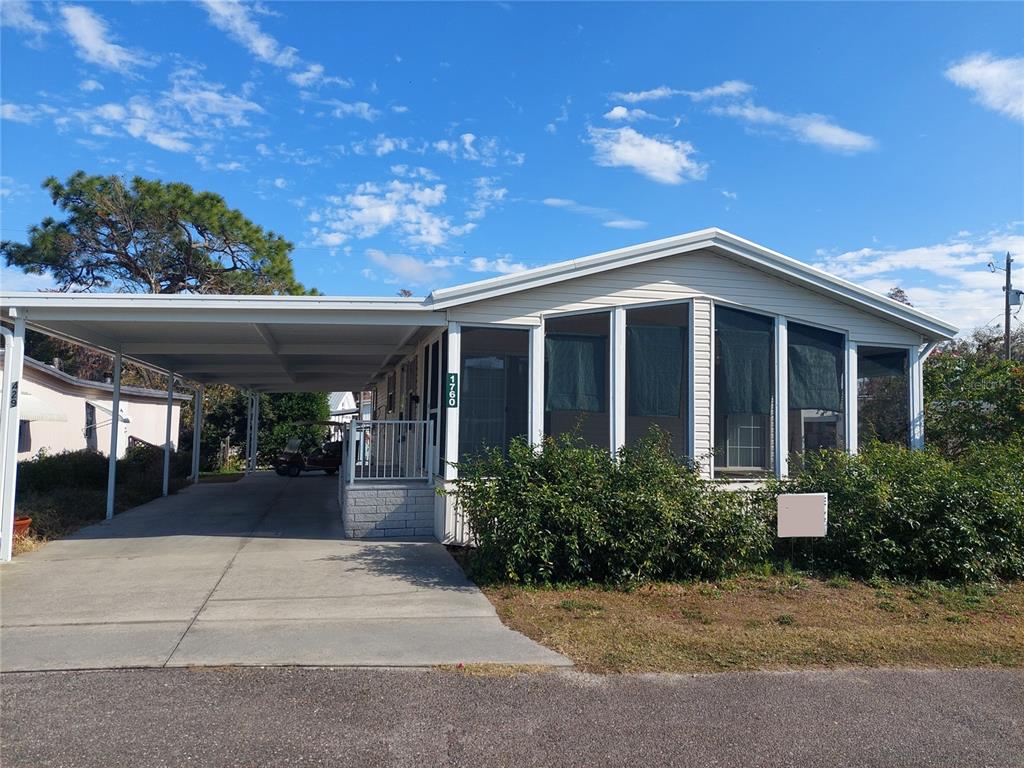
(572, 513)
(913, 514)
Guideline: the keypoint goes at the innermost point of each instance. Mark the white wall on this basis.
(701, 273)
(148, 418)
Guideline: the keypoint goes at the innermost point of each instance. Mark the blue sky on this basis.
(423, 145)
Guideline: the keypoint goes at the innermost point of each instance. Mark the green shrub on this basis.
(573, 513)
(69, 469)
(913, 514)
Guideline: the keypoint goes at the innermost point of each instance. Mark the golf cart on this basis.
(307, 455)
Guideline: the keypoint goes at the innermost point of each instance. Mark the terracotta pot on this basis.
(21, 525)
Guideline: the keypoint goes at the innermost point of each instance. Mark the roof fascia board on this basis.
(41, 313)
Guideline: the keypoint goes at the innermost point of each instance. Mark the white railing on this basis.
(389, 450)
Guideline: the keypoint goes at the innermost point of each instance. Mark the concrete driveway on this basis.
(249, 573)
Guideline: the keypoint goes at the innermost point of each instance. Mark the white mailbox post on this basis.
(803, 514)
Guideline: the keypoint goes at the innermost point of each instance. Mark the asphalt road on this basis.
(366, 717)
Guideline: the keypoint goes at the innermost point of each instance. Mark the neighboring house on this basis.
(60, 412)
(742, 355)
(343, 406)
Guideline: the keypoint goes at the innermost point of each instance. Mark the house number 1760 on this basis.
(451, 390)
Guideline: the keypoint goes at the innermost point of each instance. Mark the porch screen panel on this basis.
(577, 378)
(883, 396)
(744, 392)
(816, 384)
(657, 373)
(493, 388)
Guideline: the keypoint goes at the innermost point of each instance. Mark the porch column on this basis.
(115, 428)
(781, 396)
(451, 415)
(915, 375)
(702, 345)
(14, 357)
(852, 404)
(167, 432)
(535, 428)
(197, 431)
(617, 401)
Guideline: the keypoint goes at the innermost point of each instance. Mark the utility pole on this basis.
(1007, 289)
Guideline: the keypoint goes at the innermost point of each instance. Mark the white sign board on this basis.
(803, 514)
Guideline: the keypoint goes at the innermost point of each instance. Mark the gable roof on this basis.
(713, 239)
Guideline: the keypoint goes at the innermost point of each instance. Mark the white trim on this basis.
(197, 431)
(451, 415)
(115, 428)
(691, 426)
(852, 404)
(13, 375)
(709, 472)
(536, 395)
(617, 374)
(915, 380)
(781, 373)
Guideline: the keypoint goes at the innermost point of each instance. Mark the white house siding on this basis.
(702, 382)
(700, 273)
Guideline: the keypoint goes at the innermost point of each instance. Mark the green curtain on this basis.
(655, 364)
(881, 364)
(576, 372)
(744, 358)
(815, 369)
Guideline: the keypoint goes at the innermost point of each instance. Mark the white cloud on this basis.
(399, 109)
(997, 83)
(662, 160)
(485, 195)
(313, 77)
(486, 150)
(807, 128)
(730, 195)
(621, 113)
(280, 183)
(233, 18)
(18, 113)
(949, 279)
(91, 38)
(13, 279)
(234, 165)
(607, 216)
(409, 270)
(359, 109)
(730, 88)
(414, 172)
(502, 265)
(207, 101)
(381, 145)
(17, 14)
(90, 85)
(409, 208)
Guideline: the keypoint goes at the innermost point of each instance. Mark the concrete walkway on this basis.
(247, 573)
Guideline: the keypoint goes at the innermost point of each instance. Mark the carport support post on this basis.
(115, 428)
(255, 427)
(248, 436)
(536, 376)
(14, 357)
(167, 432)
(197, 432)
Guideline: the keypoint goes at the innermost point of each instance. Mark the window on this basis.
(391, 392)
(657, 373)
(816, 387)
(577, 378)
(744, 393)
(493, 388)
(883, 396)
(24, 436)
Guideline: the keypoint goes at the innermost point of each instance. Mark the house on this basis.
(743, 355)
(60, 412)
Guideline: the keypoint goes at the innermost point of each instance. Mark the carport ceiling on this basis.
(263, 343)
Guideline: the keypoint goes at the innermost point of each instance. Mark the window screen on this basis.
(816, 412)
(883, 397)
(744, 392)
(576, 377)
(493, 390)
(657, 373)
